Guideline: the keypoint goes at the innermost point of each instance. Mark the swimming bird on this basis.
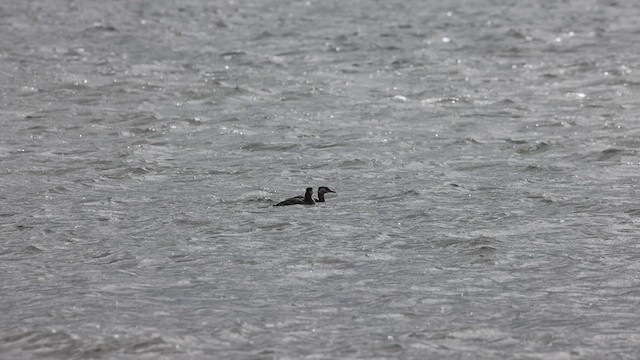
(321, 191)
(299, 200)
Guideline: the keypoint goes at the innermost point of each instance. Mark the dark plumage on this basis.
(321, 191)
(299, 200)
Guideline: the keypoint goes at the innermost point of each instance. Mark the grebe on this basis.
(321, 191)
(299, 200)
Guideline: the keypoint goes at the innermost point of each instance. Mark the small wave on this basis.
(606, 155)
(514, 141)
(397, 195)
(535, 149)
(127, 173)
(609, 154)
(259, 146)
(59, 190)
(258, 196)
(327, 145)
(230, 55)
(466, 141)
(354, 163)
(633, 212)
(98, 28)
(32, 249)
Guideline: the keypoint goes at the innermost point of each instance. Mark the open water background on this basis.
(485, 154)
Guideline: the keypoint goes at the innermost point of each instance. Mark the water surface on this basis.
(485, 157)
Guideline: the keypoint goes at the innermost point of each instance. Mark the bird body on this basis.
(307, 199)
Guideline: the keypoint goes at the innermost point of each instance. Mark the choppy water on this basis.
(485, 156)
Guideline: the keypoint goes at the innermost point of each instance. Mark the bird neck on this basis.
(307, 197)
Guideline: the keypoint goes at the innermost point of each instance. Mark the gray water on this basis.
(485, 155)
